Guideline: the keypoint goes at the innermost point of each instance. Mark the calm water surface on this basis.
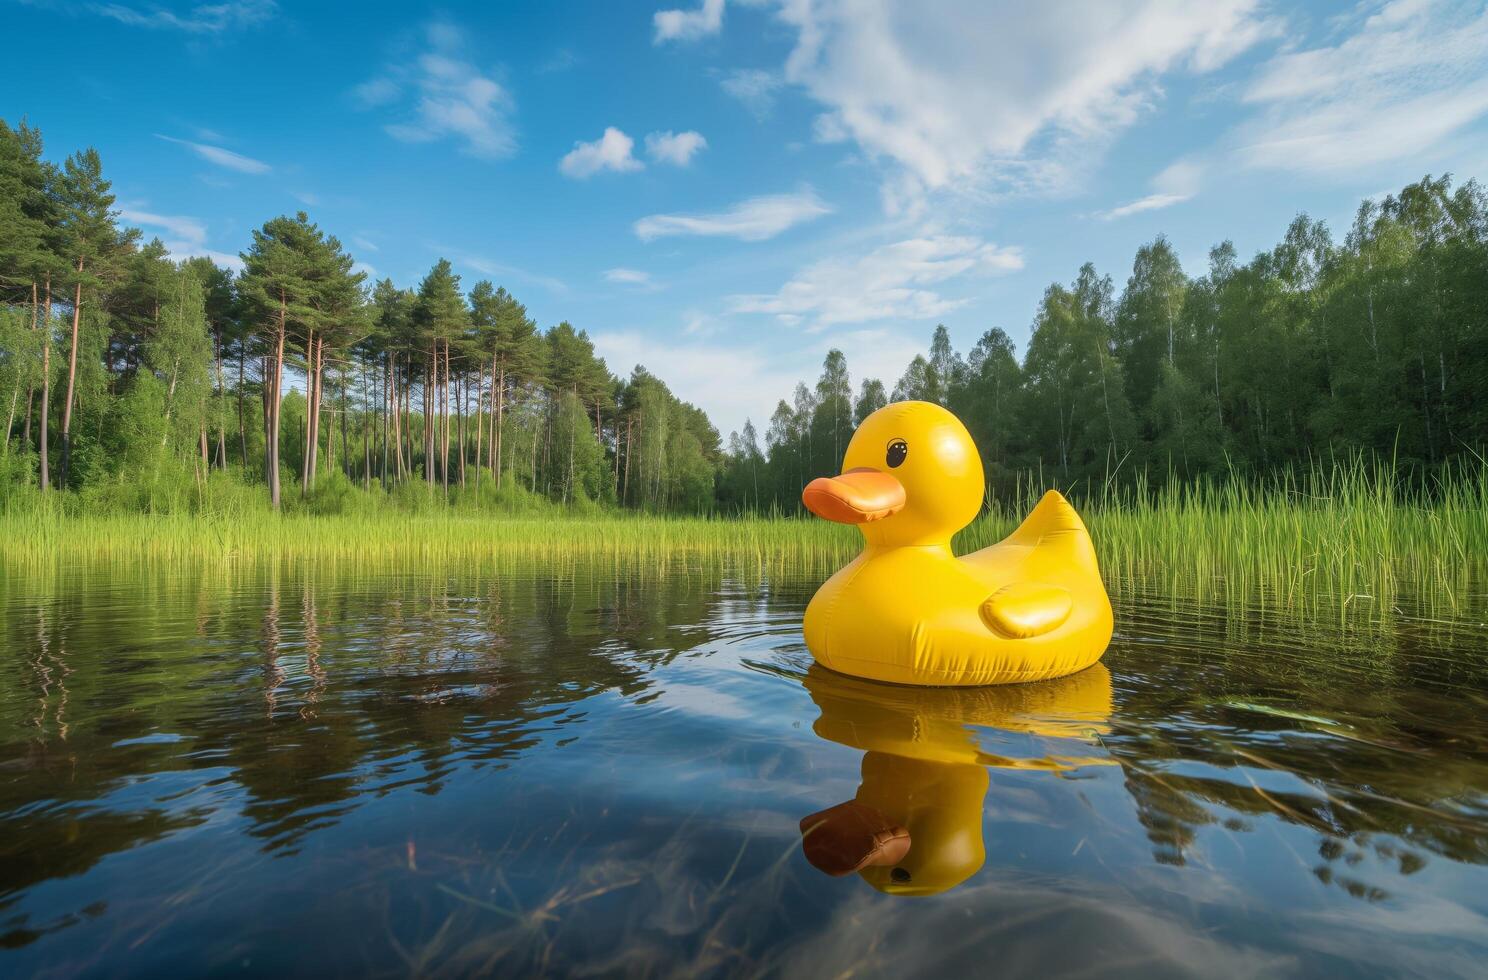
(284, 770)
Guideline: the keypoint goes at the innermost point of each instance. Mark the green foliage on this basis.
(1379, 346)
(334, 493)
(193, 386)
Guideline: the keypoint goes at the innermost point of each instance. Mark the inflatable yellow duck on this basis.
(907, 610)
(915, 825)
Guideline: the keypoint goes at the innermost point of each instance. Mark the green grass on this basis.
(1342, 541)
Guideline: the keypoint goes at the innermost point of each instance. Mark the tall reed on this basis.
(1349, 540)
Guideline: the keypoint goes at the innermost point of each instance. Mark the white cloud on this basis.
(752, 220)
(674, 148)
(180, 227)
(447, 96)
(183, 236)
(377, 91)
(630, 277)
(207, 18)
(689, 25)
(755, 88)
(610, 152)
(308, 198)
(696, 323)
(888, 283)
(1179, 182)
(967, 96)
(1409, 76)
(1152, 202)
(221, 157)
(735, 383)
(729, 383)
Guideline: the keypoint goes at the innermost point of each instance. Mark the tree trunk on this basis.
(387, 412)
(46, 385)
(444, 422)
(312, 414)
(368, 387)
(275, 388)
(480, 419)
(396, 398)
(242, 430)
(461, 393)
(629, 448)
(345, 445)
(220, 460)
(26, 422)
(500, 419)
(429, 376)
(77, 310)
(15, 397)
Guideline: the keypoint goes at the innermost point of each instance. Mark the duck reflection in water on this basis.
(915, 826)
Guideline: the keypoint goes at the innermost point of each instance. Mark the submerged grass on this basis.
(1348, 540)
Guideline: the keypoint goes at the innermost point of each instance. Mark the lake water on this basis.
(603, 770)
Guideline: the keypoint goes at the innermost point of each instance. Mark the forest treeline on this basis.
(1375, 347)
(146, 384)
(134, 382)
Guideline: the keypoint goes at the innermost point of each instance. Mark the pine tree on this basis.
(279, 288)
(440, 317)
(92, 244)
(28, 266)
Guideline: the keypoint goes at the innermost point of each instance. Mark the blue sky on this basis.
(723, 191)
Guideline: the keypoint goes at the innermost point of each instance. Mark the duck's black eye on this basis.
(898, 449)
(899, 876)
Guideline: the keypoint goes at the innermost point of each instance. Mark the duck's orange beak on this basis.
(856, 497)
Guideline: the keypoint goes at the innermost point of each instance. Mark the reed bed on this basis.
(1349, 540)
(1345, 539)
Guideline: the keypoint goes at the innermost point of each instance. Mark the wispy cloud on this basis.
(677, 149)
(755, 88)
(688, 25)
(377, 91)
(610, 152)
(183, 236)
(890, 282)
(1408, 76)
(631, 277)
(1176, 184)
(1152, 202)
(973, 99)
(443, 95)
(221, 157)
(752, 220)
(206, 18)
(729, 382)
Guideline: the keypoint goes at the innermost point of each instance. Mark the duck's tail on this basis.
(1053, 518)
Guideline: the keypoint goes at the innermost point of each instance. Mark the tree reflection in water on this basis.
(603, 767)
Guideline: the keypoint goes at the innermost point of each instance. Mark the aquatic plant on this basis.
(1347, 540)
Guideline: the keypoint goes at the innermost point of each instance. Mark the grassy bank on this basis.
(1346, 540)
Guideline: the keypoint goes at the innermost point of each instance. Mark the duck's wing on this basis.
(1026, 609)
